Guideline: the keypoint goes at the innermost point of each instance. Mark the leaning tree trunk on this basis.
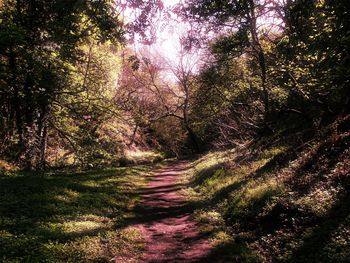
(192, 136)
(42, 135)
(43, 143)
(260, 56)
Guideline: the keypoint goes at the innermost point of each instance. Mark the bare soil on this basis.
(170, 232)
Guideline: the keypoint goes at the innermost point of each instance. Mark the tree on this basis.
(226, 108)
(84, 111)
(39, 48)
(309, 63)
(238, 22)
(157, 92)
(184, 72)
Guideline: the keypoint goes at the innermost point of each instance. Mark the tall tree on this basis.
(39, 46)
(239, 23)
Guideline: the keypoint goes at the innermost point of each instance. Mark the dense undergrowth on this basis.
(69, 217)
(277, 201)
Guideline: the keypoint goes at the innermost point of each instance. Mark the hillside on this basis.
(277, 200)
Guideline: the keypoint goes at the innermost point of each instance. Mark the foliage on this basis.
(84, 111)
(270, 67)
(226, 107)
(42, 57)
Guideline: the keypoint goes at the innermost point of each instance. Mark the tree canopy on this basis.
(71, 85)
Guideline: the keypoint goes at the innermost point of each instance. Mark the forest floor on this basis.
(261, 202)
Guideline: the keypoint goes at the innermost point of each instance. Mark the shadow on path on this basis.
(166, 223)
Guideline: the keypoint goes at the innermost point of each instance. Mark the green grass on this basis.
(69, 217)
(273, 204)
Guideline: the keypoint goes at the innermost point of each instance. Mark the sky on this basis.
(170, 2)
(167, 44)
(167, 39)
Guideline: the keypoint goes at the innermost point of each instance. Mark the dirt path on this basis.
(170, 233)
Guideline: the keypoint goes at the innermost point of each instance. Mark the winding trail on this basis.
(170, 233)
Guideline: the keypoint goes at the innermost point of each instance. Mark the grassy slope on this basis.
(280, 202)
(68, 217)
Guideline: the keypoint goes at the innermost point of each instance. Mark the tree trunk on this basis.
(193, 138)
(28, 110)
(133, 136)
(260, 57)
(43, 143)
(15, 98)
(42, 140)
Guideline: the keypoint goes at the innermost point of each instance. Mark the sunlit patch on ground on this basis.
(64, 217)
(139, 156)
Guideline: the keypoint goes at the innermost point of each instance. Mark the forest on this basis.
(174, 131)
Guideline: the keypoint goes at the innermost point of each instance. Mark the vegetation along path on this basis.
(170, 233)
